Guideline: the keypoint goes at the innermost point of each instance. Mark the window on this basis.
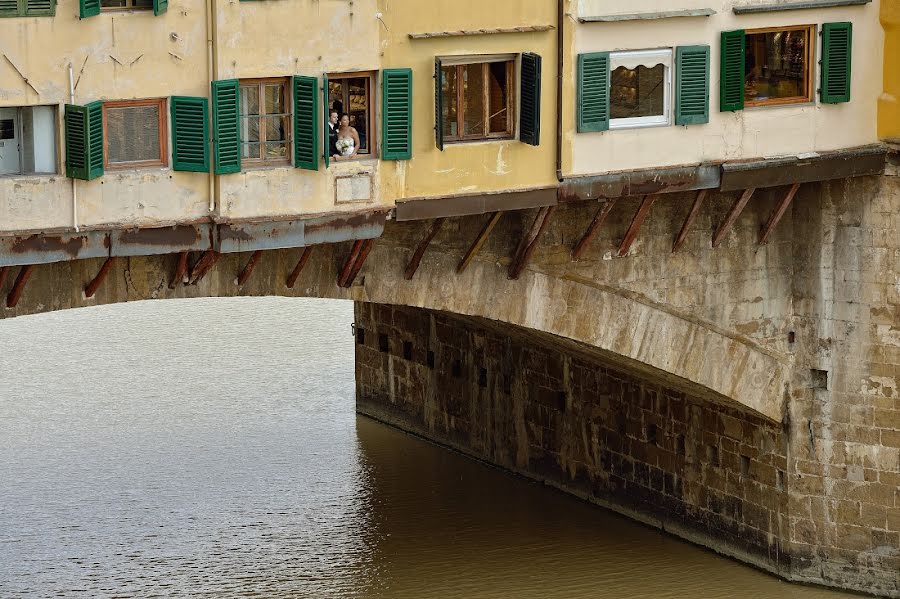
(640, 88)
(477, 99)
(126, 5)
(28, 140)
(352, 93)
(265, 121)
(134, 133)
(777, 66)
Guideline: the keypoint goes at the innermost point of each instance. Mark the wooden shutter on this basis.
(160, 6)
(39, 8)
(88, 8)
(306, 123)
(397, 114)
(692, 85)
(530, 99)
(84, 141)
(190, 134)
(837, 49)
(438, 104)
(226, 126)
(731, 84)
(9, 8)
(593, 92)
(326, 146)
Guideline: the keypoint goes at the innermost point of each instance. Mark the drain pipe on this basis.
(560, 40)
(74, 180)
(211, 76)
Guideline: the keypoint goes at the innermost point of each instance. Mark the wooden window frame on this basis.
(809, 70)
(287, 102)
(460, 103)
(371, 76)
(163, 160)
(129, 6)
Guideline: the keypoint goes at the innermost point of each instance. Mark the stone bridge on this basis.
(743, 396)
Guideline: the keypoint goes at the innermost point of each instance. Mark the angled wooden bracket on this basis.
(94, 285)
(349, 262)
(732, 217)
(203, 266)
(593, 228)
(779, 212)
(689, 221)
(248, 269)
(479, 242)
(301, 263)
(416, 259)
(180, 270)
(15, 293)
(636, 223)
(361, 257)
(4, 272)
(530, 242)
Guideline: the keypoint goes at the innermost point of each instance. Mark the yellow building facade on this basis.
(889, 102)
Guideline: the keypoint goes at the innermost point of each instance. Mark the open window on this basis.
(114, 5)
(778, 65)
(477, 98)
(265, 122)
(28, 140)
(640, 88)
(134, 134)
(352, 93)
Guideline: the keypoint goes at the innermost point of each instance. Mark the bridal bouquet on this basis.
(345, 146)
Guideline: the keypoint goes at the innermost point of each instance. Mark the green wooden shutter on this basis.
(837, 49)
(226, 126)
(593, 92)
(326, 147)
(397, 114)
(84, 141)
(692, 85)
(160, 6)
(40, 8)
(190, 134)
(88, 8)
(530, 100)
(439, 104)
(9, 8)
(306, 123)
(731, 84)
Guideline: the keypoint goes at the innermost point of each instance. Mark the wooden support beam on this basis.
(689, 221)
(180, 270)
(248, 269)
(420, 250)
(203, 266)
(479, 241)
(779, 212)
(295, 274)
(348, 264)
(94, 285)
(593, 228)
(636, 223)
(4, 272)
(15, 293)
(530, 241)
(360, 260)
(732, 217)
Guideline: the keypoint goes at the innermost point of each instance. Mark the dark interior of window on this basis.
(476, 99)
(637, 92)
(777, 66)
(127, 4)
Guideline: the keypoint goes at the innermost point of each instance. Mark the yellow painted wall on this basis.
(889, 102)
(468, 167)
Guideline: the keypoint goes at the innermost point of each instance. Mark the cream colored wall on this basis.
(750, 133)
(470, 167)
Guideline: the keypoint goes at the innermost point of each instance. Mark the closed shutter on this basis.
(39, 8)
(530, 99)
(88, 8)
(593, 92)
(731, 84)
(160, 6)
(9, 8)
(692, 85)
(190, 134)
(326, 145)
(397, 114)
(837, 49)
(306, 123)
(439, 104)
(226, 126)
(84, 141)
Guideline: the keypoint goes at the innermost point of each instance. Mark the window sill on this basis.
(801, 104)
(364, 158)
(29, 175)
(471, 142)
(125, 11)
(624, 127)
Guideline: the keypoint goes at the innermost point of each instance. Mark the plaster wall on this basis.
(749, 133)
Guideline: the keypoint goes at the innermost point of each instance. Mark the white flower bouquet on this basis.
(345, 146)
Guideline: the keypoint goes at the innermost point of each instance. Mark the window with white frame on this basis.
(27, 140)
(640, 88)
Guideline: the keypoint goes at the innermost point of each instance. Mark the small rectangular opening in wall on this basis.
(745, 466)
(818, 379)
(651, 434)
(429, 359)
(561, 401)
(680, 445)
(456, 369)
(407, 350)
(712, 455)
(779, 480)
(506, 379)
(482, 377)
(360, 336)
(383, 343)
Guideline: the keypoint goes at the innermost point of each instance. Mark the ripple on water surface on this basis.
(210, 447)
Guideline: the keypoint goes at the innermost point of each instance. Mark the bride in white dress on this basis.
(347, 140)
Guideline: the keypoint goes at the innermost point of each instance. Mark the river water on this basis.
(210, 448)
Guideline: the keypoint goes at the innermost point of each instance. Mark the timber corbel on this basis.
(180, 270)
(479, 242)
(249, 268)
(593, 228)
(416, 259)
(636, 223)
(779, 212)
(530, 241)
(15, 293)
(203, 266)
(301, 263)
(95, 283)
(732, 217)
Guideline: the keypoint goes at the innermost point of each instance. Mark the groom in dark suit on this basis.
(332, 132)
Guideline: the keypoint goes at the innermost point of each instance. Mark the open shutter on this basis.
(692, 85)
(190, 134)
(397, 114)
(9, 8)
(38, 8)
(837, 48)
(593, 92)
(530, 99)
(88, 8)
(84, 141)
(438, 104)
(95, 139)
(226, 126)
(160, 6)
(306, 123)
(326, 146)
(731, 84)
